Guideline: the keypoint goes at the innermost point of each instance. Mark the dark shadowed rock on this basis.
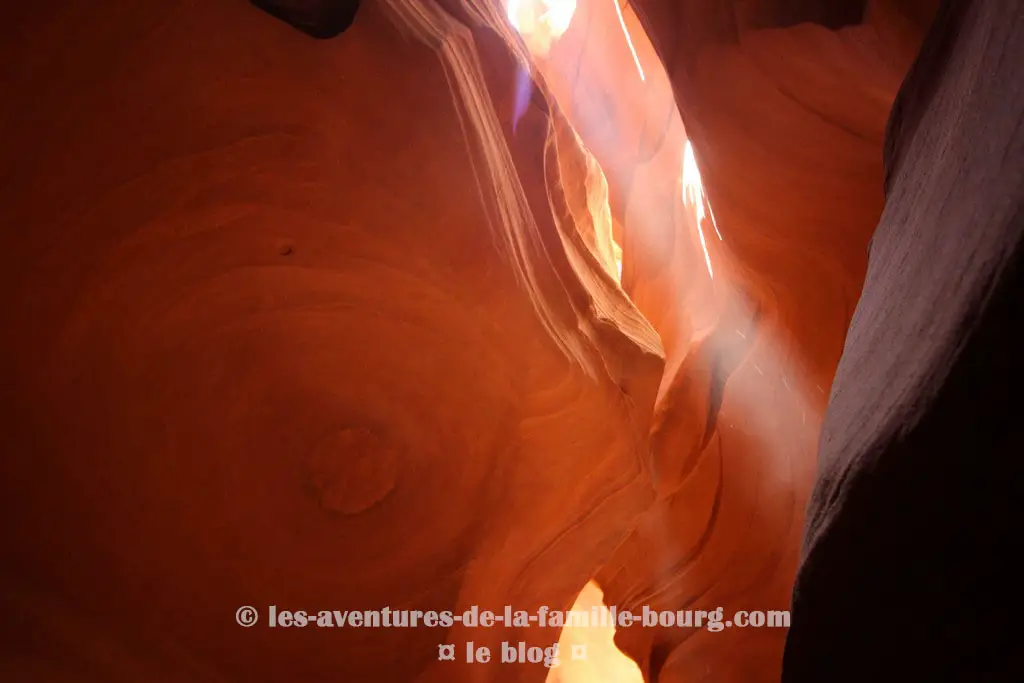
(909, 570)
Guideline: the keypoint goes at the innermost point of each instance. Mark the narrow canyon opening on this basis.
(604, 662)
(610, 99)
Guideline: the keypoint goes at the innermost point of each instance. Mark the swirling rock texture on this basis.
(275, 334)
(336, 324)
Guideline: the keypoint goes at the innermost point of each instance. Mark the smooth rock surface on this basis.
(265, 343)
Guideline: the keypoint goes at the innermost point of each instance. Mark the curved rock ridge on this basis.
(289, 324)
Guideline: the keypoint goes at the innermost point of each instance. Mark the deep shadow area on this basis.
(909, 569)
(320, 19)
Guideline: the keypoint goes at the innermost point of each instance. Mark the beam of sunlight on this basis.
(693, 188)
(714, 223)
(693, 195)
(771, 408)
(604, 662)
(704, 247)
(629, 40)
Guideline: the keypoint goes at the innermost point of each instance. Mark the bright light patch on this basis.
(693, 189)
(693, 195)
(603, 661)
(540, 22)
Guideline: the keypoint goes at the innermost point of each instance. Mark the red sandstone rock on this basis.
(264, 348)
(787, 124)
(286, 325)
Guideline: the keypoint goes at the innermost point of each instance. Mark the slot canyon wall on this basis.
(270, 342)
(789, 146)
(339, 324)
